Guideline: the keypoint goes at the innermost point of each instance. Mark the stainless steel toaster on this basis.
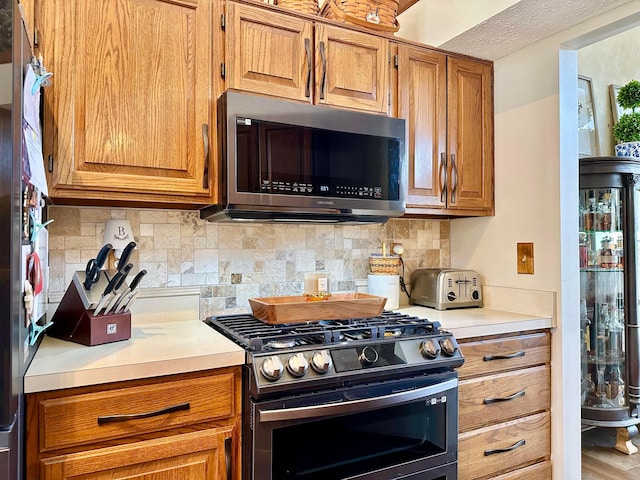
(445, 288)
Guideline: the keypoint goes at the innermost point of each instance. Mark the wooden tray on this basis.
(297, 309)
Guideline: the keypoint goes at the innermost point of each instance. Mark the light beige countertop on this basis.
(163, 343)
(154, 349)
(474, 322)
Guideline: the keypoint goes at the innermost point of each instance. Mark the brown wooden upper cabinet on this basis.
(448, 104)
(276, 54)
(128, 116)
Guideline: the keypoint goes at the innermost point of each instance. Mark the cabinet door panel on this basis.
(192, 456)
(422, 103)
(268, 53)
(352, 69)
(470, 111)
(130, 97)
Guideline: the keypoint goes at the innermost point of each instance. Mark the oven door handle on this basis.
(315, 411)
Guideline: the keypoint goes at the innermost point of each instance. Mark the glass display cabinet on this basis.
(609, 240)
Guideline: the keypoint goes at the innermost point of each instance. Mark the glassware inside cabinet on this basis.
(602, 298)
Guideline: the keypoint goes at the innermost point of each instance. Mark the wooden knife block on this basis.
(73, 322)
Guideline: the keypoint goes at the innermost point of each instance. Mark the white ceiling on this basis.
(492, 29)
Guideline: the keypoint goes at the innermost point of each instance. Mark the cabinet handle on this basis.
(519, 443)
(137, 416)
(521, 393)
(324, 70)
(488, 358)
(443, 183)
(454, 178)
(307, 47)
(205, 139)
(228, 457)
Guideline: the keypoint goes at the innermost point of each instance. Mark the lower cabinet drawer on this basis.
(539, 471)
(92, 417)
(505, 396)
(500, 448)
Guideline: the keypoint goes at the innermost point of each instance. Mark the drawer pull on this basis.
(504, 399)
(488, 358)
(137, 416)
(519, 443)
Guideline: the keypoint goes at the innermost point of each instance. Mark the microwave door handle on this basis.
(307, 47)
(323, 82)
(443, 172)
(331, 409)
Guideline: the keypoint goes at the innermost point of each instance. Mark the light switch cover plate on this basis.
(525, 258)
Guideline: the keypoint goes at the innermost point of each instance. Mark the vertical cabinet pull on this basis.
(307, 47)
(205, 139)
(443, 177)
(137, 416)
(324, 70)
(228, 456)
(454, 178)
(519, 443)
(488, 358)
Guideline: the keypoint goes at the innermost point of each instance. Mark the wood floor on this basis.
(601, 462)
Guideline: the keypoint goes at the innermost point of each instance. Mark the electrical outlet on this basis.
(525, 258)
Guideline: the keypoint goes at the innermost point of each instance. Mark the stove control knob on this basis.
(429, 348)
(272, 368)
(448, 347)
(321, 361)
(297, 364)
(368, 356)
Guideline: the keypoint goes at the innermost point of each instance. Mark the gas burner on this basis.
(281, 344)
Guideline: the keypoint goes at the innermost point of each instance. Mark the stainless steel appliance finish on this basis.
(284, 161)
(445, 288)
(370, 398)
(15, 351)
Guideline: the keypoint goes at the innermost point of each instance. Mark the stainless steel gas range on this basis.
(366, 398)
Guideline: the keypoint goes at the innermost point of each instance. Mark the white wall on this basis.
(536, 186)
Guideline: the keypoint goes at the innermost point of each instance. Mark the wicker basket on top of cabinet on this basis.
(505, 399)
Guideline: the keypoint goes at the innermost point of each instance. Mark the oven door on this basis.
(393, 429)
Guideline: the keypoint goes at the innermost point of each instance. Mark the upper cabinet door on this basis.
(128, 113)
(422, 102)
(268, 52)
(352, 69)
(470, 110)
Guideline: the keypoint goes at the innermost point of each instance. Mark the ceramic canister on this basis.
(385, 285)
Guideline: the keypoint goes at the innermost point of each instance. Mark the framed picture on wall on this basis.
(587, 127)
(616, 110)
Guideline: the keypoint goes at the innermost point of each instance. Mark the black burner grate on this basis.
(255, 335)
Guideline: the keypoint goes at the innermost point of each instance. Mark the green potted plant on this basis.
(627, 130)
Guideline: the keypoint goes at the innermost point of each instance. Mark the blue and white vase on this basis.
(628, 149)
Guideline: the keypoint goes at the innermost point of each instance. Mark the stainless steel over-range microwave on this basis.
(286, 161)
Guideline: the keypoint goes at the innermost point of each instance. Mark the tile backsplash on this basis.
(231, 263)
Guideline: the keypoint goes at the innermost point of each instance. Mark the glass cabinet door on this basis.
(602, 312)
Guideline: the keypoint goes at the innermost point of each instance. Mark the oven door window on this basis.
(353, 444)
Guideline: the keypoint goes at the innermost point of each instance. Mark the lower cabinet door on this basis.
(538, 471)
(198, 455)
(491, 451)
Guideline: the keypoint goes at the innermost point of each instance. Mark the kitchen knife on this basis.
(126, 253)
(115, 296)
(125, 295)
(108, 293)
(132, 296)
(94, 266)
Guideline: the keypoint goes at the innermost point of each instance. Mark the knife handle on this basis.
(126, 253)
(124, 272)
(102, 255)
(136, 280)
